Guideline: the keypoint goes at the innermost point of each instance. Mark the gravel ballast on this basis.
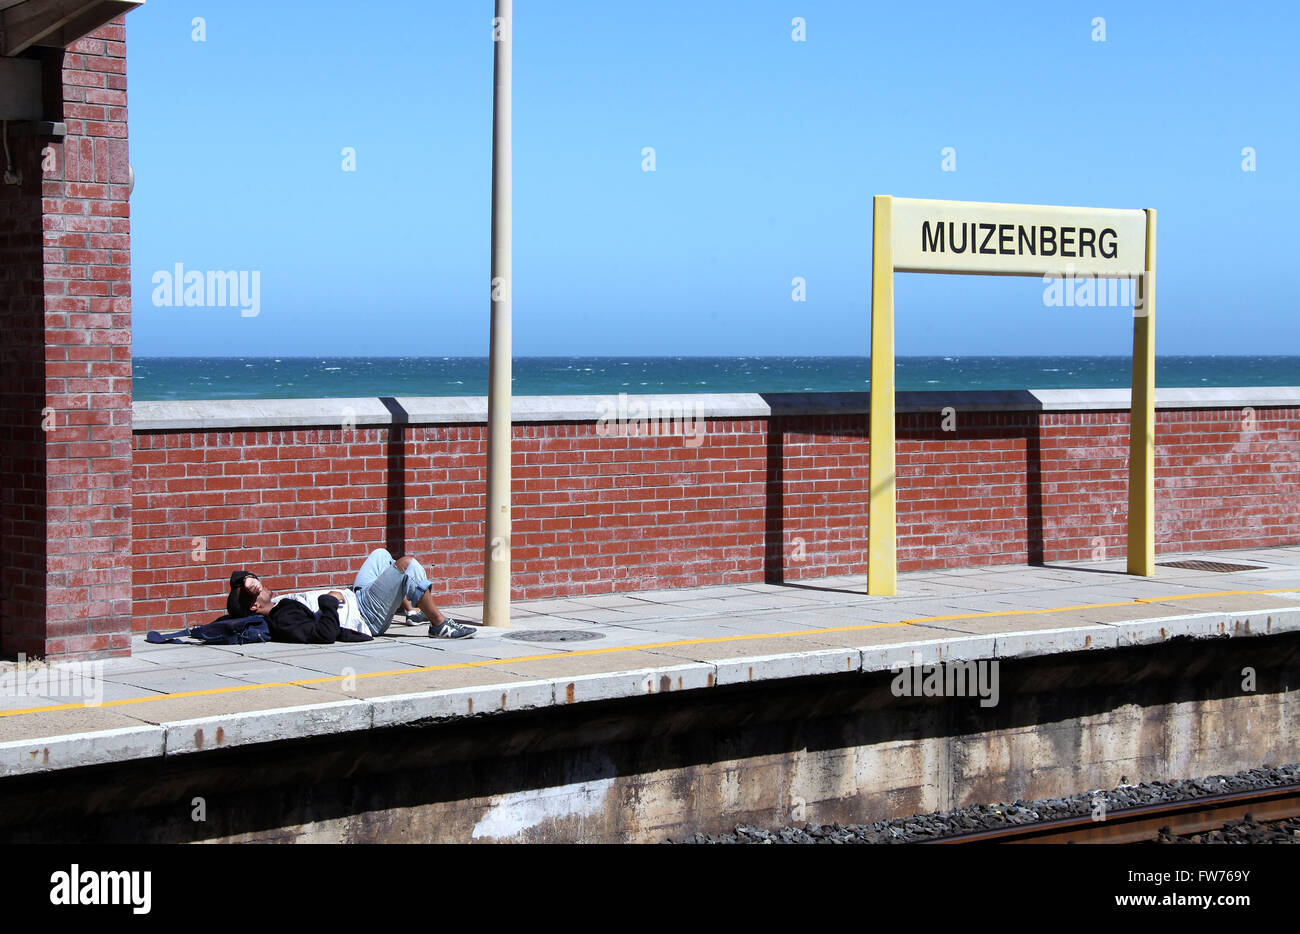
(991, 817)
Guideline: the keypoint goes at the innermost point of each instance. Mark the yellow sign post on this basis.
(979, 238)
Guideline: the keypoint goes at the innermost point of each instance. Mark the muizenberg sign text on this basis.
(1016, 239)
(1019, 240)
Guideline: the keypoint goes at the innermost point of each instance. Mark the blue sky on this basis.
(767, 154)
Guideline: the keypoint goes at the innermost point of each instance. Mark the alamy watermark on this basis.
(82, 681)
(1084, 290)
(630, 416)
(948, 679)
(181, 288)
(128, 887)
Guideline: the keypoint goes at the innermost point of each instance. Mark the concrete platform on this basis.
(190, 700)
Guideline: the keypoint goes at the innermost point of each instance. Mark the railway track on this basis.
(1141, 824)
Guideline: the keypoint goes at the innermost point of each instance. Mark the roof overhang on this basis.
(54, 23)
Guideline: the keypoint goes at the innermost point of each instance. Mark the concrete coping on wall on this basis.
(225, 414)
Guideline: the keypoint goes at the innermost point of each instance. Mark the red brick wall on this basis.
(77, 370)
(599, 514)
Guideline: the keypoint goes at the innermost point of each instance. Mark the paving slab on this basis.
(550, 606)
(678, 611)
(407, 635)
(933, 589)
(111, 691)
(608, 637)
(732, 648)
(249, 698)
(641, 612)
(784, 622)
(485, 646)
(597, 615)
(1032, 600)
(133, 664)
(256, 671)
(430, 680)
(848, 615)
(928, 651)
(809, 593)
(674, 596)
(176, 681)
(617, 600)
(251, 650)
(1119, 612)
(581, 664)
(169, 655)
(694, 609)
(76, 720)
(402, 709)
(1263, 577)
(875, 635)
(1023, 622)
(659, 629)
(1234, 603)
(342, 663)
(401, 655)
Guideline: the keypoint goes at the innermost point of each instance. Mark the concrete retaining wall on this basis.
(821, 749)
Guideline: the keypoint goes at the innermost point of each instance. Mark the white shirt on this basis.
(349, 610)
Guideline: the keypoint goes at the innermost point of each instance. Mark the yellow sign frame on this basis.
(882, 562)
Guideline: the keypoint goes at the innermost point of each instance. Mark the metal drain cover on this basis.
(1210, 566)
(555, 635)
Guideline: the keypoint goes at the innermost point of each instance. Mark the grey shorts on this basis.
(380, 599)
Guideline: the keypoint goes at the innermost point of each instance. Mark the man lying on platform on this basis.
(351, 614)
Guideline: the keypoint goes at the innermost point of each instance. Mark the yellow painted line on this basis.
(488, 662)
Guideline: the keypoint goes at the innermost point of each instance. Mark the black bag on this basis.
(222, 631)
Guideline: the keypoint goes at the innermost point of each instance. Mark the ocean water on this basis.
(192, 378)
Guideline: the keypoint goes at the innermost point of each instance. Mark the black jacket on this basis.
(290, 621)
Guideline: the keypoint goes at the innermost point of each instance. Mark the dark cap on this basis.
(237, 578)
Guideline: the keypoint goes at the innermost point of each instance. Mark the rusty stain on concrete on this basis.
(568, 693)
(221, 735)
(666, 683)
(198, 738)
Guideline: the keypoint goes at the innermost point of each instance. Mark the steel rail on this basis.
(1135, 825)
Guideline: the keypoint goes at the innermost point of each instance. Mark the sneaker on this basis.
(450, 629)
(415, 618)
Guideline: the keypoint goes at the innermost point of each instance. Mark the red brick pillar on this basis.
(65, 517)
